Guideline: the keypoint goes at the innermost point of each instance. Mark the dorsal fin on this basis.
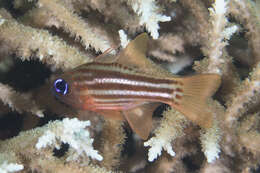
(137, 48)
(106, 57)
(134, 56)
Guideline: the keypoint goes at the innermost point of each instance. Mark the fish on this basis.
(128, 86)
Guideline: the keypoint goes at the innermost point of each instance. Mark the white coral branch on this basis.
(170, 128)
(229, 31)
(210, 139)
(18, 101)
(218, 35)
(9, 165)
(73, 132)
(2, 20)
(71, 22)
(6, 167)
(48, 48)
(249, 88)
(149, 15)
(123, 38)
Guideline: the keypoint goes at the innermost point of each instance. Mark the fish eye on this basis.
(61, 86)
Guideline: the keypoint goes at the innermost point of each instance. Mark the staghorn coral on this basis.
(187, 37)
(170, 128)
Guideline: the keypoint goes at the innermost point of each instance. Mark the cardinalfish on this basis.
(126, 87)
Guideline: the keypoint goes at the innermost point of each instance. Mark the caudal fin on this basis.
(196, 90)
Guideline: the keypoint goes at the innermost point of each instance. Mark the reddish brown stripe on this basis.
(179, 90)
(178, 96)
(109, 74)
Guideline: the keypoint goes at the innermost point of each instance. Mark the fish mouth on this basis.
(56, 96)
(60, 98)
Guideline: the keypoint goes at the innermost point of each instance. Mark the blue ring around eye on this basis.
(65, 91)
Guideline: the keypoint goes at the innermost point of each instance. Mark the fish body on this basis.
(115, 88)
(112, 86)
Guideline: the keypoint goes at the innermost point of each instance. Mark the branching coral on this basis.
(19, 102)
(6, 166)
(40, 42)
(171, 127)
(71, 132)
(246, 93)
(32, 141)
(210, 142)
(218, 35)
(186, 37)
(148, 12)
(72, 23)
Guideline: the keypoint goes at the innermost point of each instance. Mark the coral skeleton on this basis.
(171, 127)
(42, 39)
(10, 167)
(148, 13)
(7, 166)
(210, 142)
(19, 102)
(123, 38)
(72, 132)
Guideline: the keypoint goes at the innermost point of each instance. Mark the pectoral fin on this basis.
(140, 119)
(111, 114)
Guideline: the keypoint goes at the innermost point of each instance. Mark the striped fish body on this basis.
(113, 89)
(112, 86)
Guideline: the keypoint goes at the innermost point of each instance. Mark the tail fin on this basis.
(196, 90)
